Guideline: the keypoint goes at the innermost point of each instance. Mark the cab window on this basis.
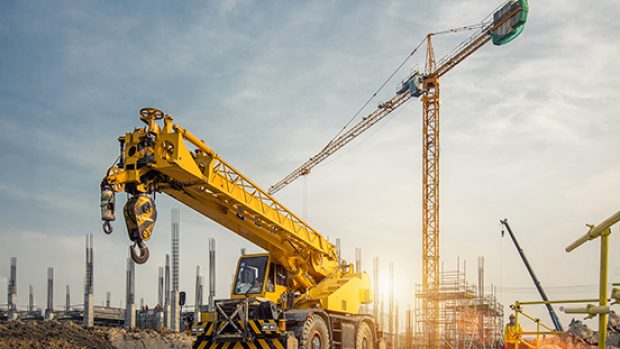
(250, 275)
(281, 278)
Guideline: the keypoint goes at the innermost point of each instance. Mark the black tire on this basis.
(314, 334)
(364, 338)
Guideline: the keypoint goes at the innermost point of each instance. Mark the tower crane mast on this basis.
(502, 26)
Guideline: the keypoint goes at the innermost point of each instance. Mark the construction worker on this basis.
(512, 333)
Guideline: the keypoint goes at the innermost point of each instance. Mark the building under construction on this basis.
(468, 317)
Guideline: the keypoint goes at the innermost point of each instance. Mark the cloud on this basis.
(526, 129)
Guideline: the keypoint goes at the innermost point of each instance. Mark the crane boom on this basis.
(372, 118)
(445, 64)
(155, 159)
(554, 317)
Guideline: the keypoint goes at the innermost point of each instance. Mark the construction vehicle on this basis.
(298, 293)
(501, 27)
(552, 314)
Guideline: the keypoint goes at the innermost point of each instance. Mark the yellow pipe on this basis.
(567, 301)
(595, 232)
(602, 318)
(194, 140)
(533, 319)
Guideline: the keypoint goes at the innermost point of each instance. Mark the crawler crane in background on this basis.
(501, 27)
(297, 292)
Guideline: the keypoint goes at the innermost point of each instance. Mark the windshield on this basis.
(251, 275)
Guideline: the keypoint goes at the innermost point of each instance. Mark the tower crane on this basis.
(501, 27)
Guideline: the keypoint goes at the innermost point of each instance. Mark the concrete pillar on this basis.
(375, 277)
(67, 298)
(49, 310)
(160, 286)
(211, 273)
(12, 291)
(89, 294)
(30, 299)
(130, 308)
(338, 251)
(130, 316)
(391, 300)
(198, 294)
(481, 276)
(382, 314)
(175, 321)
(408, 329)
(396, 328)
(175, 309)
(167, 307)
(358, 260)
(89, 310)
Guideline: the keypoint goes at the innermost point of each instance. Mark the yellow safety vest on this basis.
(512, 333)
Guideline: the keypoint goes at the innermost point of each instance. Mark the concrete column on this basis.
(375, 277)
(130, 316)
(49, 310)
(358, 260)
(160, 286)
(167, 307)
(391, 300)
(211, 273)
(89, 310)
(175, 321)
(198, 294)
(12, 291)
(130, 308)
(30, 299)
(174, 304)
(89, 294)
(396, 328)
(338, 250)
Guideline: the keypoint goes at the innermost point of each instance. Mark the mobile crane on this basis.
(297, 292)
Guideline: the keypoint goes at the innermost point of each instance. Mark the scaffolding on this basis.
(468, 318)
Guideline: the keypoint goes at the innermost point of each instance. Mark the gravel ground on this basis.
(68, 335)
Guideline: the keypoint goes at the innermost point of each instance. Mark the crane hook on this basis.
(107, 227)
(143, 256)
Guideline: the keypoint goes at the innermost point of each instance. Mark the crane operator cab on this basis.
(258, 276)
(255, 310)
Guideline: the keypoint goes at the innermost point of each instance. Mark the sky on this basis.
(527, 133)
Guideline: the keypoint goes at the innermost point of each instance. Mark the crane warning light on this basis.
(507, 30)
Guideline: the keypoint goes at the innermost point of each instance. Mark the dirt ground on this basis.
(68, 335)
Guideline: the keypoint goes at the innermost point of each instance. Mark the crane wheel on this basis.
(314, 334)
(364, 338)
(144, 252)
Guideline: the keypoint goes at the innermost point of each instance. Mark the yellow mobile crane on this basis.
(298, 292)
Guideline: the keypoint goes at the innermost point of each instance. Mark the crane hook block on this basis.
(505, 30)
(140, 215)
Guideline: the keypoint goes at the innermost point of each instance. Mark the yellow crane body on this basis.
(300, 275)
